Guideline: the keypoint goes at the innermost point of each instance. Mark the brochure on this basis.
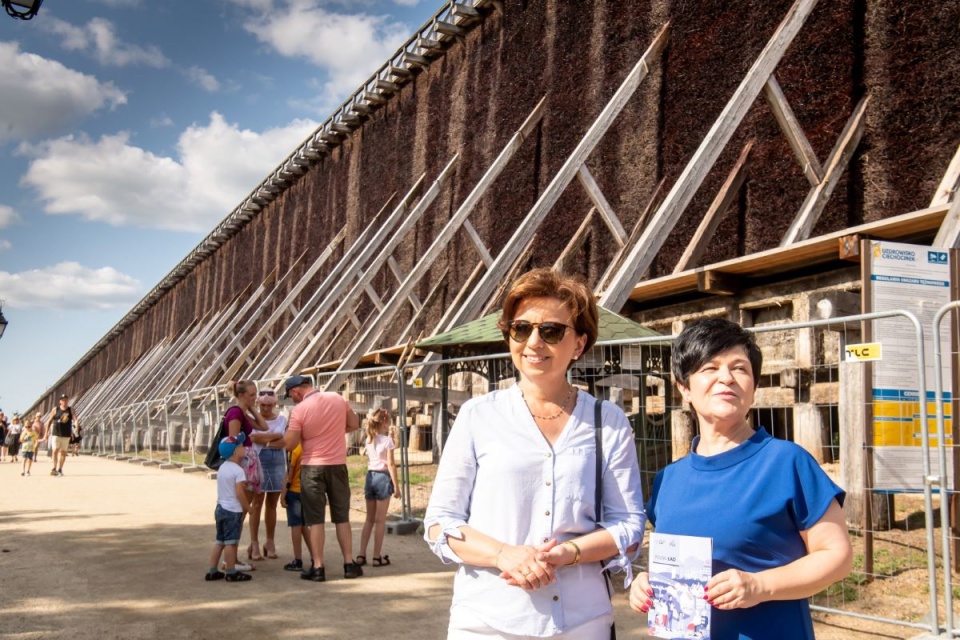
(680, 567)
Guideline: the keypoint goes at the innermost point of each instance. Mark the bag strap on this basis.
(598, 485)
(597, 430)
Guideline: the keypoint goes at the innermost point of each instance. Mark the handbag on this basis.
(598, 494)
(214, 459)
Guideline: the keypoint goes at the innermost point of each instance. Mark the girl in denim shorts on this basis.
(381, 484)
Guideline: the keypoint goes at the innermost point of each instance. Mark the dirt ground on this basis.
(118, 550)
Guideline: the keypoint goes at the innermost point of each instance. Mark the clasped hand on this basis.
(730, 589)
(532, 567)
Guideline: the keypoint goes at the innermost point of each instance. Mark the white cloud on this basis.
(98, 38)
(69, 285)
(5, 245)
(161, 121)
(40, 97)
(113, 181)
(349, 47)
(202, 78)
(407, 3)
(7, 216)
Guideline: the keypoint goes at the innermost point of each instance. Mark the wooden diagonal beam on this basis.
(791, 129)
(718, 208)
(663, 222)
(600, 202)
(818, 196)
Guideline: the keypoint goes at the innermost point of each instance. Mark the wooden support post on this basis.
(718, 208)
(948, 236)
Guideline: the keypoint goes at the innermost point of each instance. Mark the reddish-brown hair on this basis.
(572, 291)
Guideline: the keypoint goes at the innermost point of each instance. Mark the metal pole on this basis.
(406, 511)
(942, 457)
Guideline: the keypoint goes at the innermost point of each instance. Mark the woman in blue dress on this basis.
(778, 530)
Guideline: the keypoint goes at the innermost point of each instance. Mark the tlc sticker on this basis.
(863, 352)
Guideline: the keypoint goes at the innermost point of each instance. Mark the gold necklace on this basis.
(563, 407)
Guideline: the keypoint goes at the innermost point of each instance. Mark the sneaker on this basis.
(352, 570)
(53, 472)
(59, 472)
(294, 565)
(314, 574)
(22, 473)
(237, 577)
(239, 566)
(214, 575)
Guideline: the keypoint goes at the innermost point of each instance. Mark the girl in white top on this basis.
(380, 485)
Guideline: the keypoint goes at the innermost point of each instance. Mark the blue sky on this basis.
(130, 128)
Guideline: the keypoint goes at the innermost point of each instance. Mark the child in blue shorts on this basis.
(232, 503)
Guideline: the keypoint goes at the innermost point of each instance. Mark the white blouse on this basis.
(499, 475)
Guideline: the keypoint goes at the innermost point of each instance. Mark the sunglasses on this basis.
(267, 393)
(550, 332)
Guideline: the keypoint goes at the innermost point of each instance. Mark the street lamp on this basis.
(3, 322)
(28, 8)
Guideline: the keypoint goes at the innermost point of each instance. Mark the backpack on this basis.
(214, 459)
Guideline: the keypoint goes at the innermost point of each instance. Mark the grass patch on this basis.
(885, 565)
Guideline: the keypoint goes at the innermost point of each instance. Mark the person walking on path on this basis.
(232, 503)
(381, 484)
(3, 436)
(13, 438)
(60, 428)
(320, 422)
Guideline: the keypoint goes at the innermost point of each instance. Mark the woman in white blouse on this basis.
(514, 501)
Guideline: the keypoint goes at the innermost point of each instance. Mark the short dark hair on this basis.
(572, 291)
(703, 340)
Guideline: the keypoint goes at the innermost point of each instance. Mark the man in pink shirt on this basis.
(319, 423)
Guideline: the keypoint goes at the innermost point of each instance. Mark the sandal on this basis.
(381, 562)
(360, 561)
(270, 550)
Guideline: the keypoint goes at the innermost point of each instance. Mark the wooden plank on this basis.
(718, 208)
(719, 283)
(850, 247)
(635, 232)
(410, 59)
(478, 243)
(449, 28)
(949, 234)
(791, 129)
(576, 240)
(816, 200)
(399, 275)
(482, 294)
(664, 220)
(950, 184)
(602, 206)
(903, 228)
